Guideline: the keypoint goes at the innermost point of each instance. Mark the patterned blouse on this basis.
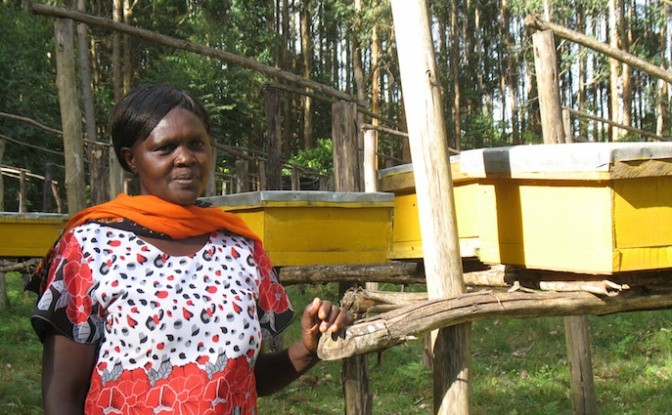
(175, 334)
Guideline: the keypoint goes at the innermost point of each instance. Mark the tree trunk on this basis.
(307, 52)
(626, 35)
(116, 173)
(503, 60)
(455, 71)
(662, 90)
(582, 75)
(614, 75)
(71, 116)
(97, 173)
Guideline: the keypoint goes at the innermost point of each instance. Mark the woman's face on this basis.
(174, 161)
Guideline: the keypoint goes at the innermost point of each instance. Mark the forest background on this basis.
(483, 50)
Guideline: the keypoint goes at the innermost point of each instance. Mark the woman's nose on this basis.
(184, 156)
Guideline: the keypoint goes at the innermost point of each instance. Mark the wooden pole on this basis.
(436, 206)
(354, 370)
(261, 179)
(242, 176)
(533, 22)
(22, 191)
(4, 300)
(71, 115)
(552, 121)
(370, 174)
(344, 137)
(547, 85)
(580, 366)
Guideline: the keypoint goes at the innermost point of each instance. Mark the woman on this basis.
(151, 304)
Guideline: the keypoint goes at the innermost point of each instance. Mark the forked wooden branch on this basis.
(408, 322)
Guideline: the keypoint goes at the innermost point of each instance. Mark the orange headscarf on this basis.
(176, 221)
(151, 212)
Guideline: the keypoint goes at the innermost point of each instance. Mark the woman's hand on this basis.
(274, 371)
(322, 317)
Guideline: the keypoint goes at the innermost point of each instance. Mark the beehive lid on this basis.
(400, 178)
(570, 161)
(279, 198)
(33, 217)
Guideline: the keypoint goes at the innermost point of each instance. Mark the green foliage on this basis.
(320, 158)
(19, 354)
(27, 89)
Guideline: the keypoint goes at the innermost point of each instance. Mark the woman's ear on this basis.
(127, 155)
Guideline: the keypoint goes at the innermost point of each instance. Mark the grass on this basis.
(519, 367)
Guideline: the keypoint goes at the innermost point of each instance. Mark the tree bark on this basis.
(455, 71)
(71, 116)
(116, 173)
(614, 71)
(307, 53)
(545, 62)
(409, 322)
(97, 171)
(581, 383)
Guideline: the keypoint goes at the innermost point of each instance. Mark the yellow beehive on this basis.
(406, 237)
(29, 234)
(597, 208)
(316, 228)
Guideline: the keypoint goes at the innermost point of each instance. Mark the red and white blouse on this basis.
(176, 334)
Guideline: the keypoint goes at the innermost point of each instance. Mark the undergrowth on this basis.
(519, 367)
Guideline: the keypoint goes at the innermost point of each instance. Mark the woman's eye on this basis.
(166, 148)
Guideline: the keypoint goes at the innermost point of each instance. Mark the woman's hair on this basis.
(138, 112)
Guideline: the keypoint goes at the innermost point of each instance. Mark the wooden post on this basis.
(552, 121)
(71, 115)
(436, 206)
(370, 165)
(3, 292)
(242, 176)
(296, 178)
(211, 188)
(547, 86)
(344, 136)
(580, 366)
(567, 126)
(46, 187)
(22, 191)
(261, 168)
(370, 175)
(354, 371)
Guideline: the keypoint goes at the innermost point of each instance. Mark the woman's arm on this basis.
(276, 370)
(66, 374)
